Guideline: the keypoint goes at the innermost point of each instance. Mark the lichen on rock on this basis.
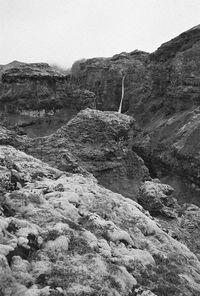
(106, 246)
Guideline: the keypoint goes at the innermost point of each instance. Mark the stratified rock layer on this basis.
(104, 77)
(39, 99)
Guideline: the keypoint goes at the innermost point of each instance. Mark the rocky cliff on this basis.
(171, 128)
(162, 92)
(166, 80)
(62, 231)
(104, 77)
(38, 98)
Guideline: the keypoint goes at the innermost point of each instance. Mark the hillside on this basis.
(94, 201)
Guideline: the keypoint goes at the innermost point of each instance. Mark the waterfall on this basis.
(122, 96)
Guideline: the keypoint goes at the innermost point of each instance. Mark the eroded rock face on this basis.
(8, 137)
(170, 139)
(171, 147)
(157, 198)
(97, 142)
(65, 235)
(185, 228)
(162, 91)
(39, 99)
(103, 76)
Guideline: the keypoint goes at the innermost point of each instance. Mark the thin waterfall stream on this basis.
(122, 95)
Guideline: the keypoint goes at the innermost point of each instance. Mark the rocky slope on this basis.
(38, 98)
(63, 234)
(162, 92)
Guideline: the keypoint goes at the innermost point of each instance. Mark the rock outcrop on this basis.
(158, 199)
(170, 137)
(63, 234)
(38, 98)
(96, 142)
(185, 228)
(8, 137)
(104, 76)
(162, 92)
(181, 222)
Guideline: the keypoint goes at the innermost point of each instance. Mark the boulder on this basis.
(97, 142)
(157, 198)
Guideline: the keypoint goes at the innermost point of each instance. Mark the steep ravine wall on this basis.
(162, 92)
(104, 77)
(38, 99)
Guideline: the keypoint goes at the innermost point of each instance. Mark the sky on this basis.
(63, 31)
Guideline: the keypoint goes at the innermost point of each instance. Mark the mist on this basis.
(60, 32)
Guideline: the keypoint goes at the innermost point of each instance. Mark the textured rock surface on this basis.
(172, 145)
(35, 94)
(157, 198)
(98, 142)
(65, 235)
(170, 138)
(162, 91)
(185, 228)
(8, 137)
(104, 77)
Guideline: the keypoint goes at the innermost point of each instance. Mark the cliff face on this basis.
(171, 125)
(104, 77)
(166, 80)
(177, 72)
(35, 94)
(162, 91)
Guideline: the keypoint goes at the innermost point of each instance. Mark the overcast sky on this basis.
(62, 31)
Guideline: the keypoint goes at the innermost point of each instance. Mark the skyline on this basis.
(63, 31)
